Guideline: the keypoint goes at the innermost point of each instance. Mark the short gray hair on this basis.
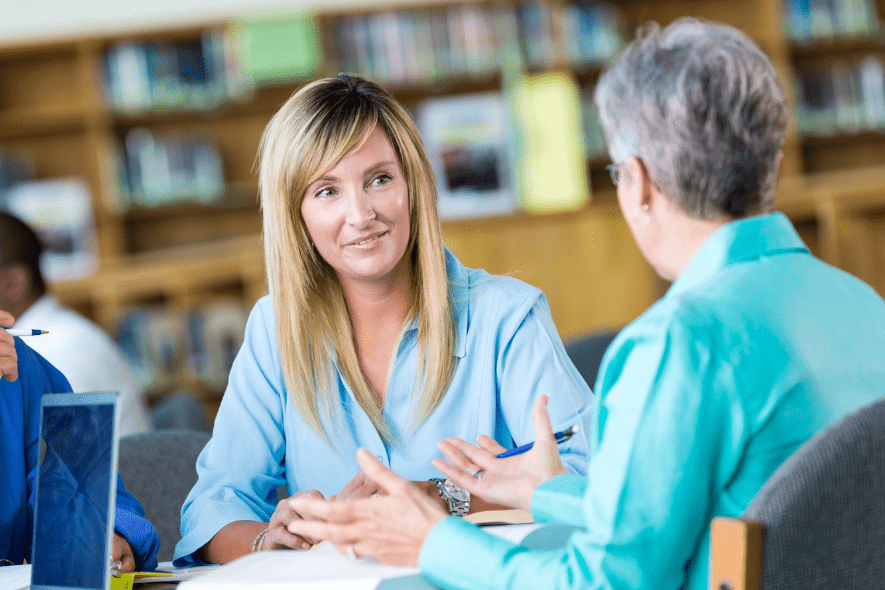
(701, 105)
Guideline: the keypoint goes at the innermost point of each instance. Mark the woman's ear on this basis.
(637, 190)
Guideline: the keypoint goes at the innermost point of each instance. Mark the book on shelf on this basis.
(213, 335)
(60, 212)
(595, 32)
(468, 141)
(842, 97)
(594, 137)
(162, 75)
(812, 20)
(276, 50)
(420, 46)
(552, 165)
(162, 170)
(167, 345)
(16, 165)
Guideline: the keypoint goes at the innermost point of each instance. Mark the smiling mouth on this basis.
(369, 241)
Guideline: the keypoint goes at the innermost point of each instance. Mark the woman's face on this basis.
(357, 213)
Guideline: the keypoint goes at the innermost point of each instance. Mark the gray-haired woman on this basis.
(756, 346)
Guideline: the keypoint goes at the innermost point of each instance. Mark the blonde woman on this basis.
(373, 336)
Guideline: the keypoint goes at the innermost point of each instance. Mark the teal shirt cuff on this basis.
(442, 559)
(560, 500)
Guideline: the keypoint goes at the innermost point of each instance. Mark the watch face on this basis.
(456, 492)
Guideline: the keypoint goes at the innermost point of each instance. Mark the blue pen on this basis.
(561, 437)
(13, 332)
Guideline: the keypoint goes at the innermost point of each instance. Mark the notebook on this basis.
(76, 492)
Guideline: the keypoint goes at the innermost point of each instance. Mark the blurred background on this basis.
(128, 136)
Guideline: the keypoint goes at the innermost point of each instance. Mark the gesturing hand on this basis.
(361, 486)
(390, 528)
(510, 481)
(8, 356)
(277, 536)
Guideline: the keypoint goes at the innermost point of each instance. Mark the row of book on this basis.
(168, 346)
(424, 45)
(594, 138)
(497, 152)
(844, 97)
(161, 170)
(166, 75)
(813, 20)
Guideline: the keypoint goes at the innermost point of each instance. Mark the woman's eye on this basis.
(325, 192)
(382, 179)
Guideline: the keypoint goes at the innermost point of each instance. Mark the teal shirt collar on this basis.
(746, 239)
(459, 295)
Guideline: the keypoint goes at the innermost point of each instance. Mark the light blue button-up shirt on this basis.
(756, 346)
(509, 353)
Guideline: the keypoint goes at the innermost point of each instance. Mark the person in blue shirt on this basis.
(373, 335)
(24, 377)
(756, 346)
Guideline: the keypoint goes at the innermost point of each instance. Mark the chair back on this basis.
(819, 521)
(159, 469)
(587, 351)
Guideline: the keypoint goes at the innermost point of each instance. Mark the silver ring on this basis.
(351, 554)
(117, 569)
(478, 473)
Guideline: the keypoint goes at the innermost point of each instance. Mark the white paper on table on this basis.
(322, 569)
(15, 577)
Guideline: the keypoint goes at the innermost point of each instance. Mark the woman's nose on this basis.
(359, 209)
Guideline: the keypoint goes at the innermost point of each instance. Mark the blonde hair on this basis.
(310, 133)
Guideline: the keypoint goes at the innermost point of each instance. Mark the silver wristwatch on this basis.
(457, 497)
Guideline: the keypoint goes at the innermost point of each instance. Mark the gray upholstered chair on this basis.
(819, 522)
(586, 353)
(159, 469)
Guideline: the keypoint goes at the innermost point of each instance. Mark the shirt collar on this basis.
(739, 241)
(459, 296)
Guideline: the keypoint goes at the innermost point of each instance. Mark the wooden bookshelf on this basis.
(54, 105)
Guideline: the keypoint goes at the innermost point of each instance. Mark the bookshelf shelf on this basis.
(412, 93)
(874, 137)
(841, 47)
(34, 121)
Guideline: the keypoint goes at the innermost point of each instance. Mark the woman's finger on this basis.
(543, 429)
(280, 536)
(457, 458)
(489, 444)
(6, 319)
(358, 480)
(479, 457)
(386, 479)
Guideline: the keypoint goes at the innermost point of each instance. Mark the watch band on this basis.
(456, 507)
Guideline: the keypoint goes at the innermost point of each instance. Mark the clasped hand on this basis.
(279, 537)
(392, 527)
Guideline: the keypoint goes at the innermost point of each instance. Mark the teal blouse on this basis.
(755, 347)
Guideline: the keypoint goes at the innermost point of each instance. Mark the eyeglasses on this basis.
(615, 171)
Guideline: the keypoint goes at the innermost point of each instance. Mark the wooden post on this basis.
(735, 554)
